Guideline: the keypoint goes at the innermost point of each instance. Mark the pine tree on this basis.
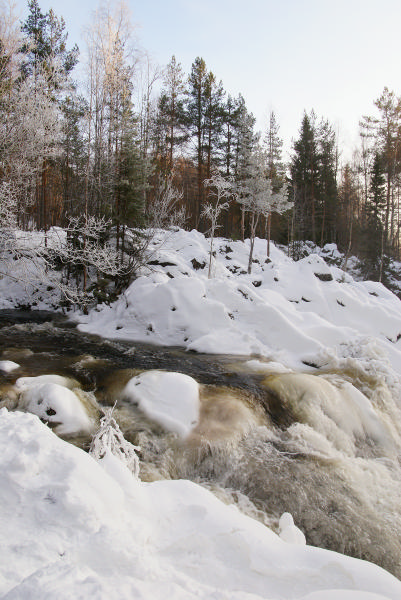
(73, 158)
(230, 117)
(170, 121)
(198, 83)
(385, 131)
(36, 47)
(47, 64)
(45, 48)
(214, 97)
(246, 145)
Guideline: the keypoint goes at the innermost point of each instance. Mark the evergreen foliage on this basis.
(120, 152)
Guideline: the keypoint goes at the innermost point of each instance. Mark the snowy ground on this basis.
(290, 312)
(75, 528)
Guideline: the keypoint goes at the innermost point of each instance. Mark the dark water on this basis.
(56, 343)
(251, 447)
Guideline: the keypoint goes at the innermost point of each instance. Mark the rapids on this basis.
(323, 445)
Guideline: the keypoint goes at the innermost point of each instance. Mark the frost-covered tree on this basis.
(166, 210)
(246, 146)
(111, 63)
(273, 145)
(255, 195)
(279, 204)
(219, 191)
(257, 198)
(47, 64)
(29, 137)
(8, 222)
(110, 439)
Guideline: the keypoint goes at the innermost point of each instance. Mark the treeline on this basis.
(134, 140)
(355, 204)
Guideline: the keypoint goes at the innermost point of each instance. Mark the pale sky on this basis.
(283, 55)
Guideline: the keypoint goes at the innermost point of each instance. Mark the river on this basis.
(307, 443)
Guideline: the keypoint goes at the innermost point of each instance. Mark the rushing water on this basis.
(309, 444)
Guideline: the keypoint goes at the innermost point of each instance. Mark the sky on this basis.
(284, 55)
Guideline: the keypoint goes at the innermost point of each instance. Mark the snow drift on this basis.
(290, 312)
(72, 528)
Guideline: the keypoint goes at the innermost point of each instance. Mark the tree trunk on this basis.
(269, 219)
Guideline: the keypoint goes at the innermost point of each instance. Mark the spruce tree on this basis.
(326, 189)
(304, 174)
(273, 145)
(373, 233)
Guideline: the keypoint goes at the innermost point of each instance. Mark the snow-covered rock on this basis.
(170, 399)
(8, 365)
(51, 398)
(289, 312)
(289, 532)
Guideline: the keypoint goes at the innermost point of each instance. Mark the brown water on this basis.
(270, 443)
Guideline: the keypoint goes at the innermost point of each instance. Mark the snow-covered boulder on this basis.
(170, 399)
(51, 398)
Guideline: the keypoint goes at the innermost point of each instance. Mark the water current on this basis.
(324, 446)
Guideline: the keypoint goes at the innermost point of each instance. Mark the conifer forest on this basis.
(135, 145)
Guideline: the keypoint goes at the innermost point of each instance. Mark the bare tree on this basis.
(220, 190)
(111, 64)
(110, 439)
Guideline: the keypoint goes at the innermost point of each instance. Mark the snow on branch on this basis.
(8, 204)
(165, 211)
(219, 189)
(109, 438)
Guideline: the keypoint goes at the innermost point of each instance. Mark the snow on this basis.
(170, 399)
(290, 312)
(289, 532)
(74, 527)
(49, 397)
(7, 366)
(25, 284)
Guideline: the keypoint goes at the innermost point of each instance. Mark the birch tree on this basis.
(220, 190)
(257, 197)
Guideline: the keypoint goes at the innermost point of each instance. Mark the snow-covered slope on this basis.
(74, 528)
(290, 312)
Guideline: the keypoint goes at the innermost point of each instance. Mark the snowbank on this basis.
(72, 529)
(287, 311)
